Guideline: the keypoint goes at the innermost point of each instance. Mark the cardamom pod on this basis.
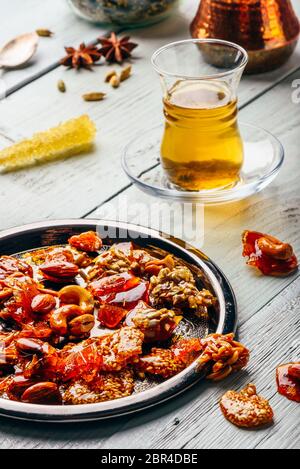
(93, 96)
(114, 81)
(44, 32)
(125, 73)
(109, 75)
(61, 86)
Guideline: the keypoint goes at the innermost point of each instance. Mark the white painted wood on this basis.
(45, 193)
(56, 15)
(69, 29)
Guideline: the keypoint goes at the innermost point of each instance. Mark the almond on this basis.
(43, 303)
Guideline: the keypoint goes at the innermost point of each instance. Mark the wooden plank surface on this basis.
(48, 191)
(55, 15)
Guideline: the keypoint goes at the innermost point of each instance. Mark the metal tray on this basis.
(223, 320)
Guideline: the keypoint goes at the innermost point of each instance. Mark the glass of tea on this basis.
(201, 147)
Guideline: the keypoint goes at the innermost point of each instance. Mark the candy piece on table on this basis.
(176, 287)
(223, 354)
(169, 362)
(294, 370)
(246, 409)
(67, 139)
(122, 289)
(105, 387)
(110, 316)
(10, 265)
(82, 361)
(59, 271)
(268, 254)
(18, 306)
(88, 241)
(154, 266)
(288, 381)
(156, 324)
(120, 348)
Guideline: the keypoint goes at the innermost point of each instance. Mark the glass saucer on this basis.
(263, 158)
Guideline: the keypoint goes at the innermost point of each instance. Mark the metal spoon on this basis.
(18, 51)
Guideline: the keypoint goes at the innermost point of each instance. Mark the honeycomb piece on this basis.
(246, 409)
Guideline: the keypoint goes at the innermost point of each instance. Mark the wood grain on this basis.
(49, 191)
(55, 15)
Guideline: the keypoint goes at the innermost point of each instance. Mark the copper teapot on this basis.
(267, 29)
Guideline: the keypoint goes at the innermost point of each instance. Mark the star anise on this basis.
(83, 57)
(116, 50)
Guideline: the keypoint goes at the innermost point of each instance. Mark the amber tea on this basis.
(201, 147)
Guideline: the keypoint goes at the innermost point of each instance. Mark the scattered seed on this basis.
(44, 32)
(109, 75)
(221, 95)
(125, 73)
(93, 96)
(114, 81)
(61, 86)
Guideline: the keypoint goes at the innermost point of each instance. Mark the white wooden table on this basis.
(269, 308)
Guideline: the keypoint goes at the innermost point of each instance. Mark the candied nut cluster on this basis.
(121, 348)
(220, 353)
(124, 257)
(246, 409)
(177, 288)
(154, 266)
(268, 254)
(105, 387)
(224, 354)
(10, 265)
(156, 324)
(169, 362)
(116, 260)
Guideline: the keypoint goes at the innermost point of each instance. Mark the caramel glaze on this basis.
(288, 381)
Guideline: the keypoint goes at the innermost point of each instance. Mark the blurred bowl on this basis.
(130, 13)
